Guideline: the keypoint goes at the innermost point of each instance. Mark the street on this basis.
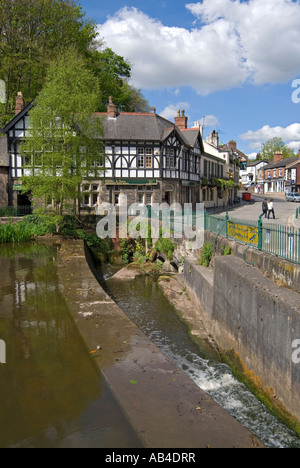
(285, 212)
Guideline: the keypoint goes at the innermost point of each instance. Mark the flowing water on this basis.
(51, 394)
(145, 304)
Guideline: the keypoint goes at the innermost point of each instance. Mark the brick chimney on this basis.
(278, 156)
(181, 120)
(232, 145)
(111, 108)
(19, 103)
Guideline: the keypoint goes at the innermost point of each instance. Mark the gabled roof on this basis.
(17, 117)
(255, 163)
(282, 163)
(191, 135)
(293, 164)
(135, 126)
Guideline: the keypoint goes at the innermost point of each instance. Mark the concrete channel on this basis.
(163, 405)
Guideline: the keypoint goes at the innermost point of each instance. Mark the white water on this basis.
(145, 304)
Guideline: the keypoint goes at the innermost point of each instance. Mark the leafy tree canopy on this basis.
(270, 147)
(32, 34)
(61, 150)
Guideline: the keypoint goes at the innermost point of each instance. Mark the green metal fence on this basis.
(282, 241)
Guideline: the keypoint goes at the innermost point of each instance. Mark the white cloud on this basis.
(268, 32)
(207, 59)
(252, 156)
(290, 135)
(231, 42)
(170, 111)
(210, 121)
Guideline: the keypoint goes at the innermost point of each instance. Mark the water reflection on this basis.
(51, 393)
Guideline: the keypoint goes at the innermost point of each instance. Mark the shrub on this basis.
(206, 255)
(166, 247)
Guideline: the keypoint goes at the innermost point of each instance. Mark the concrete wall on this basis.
(277, 268)
(246, 311)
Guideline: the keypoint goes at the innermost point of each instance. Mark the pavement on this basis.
(285, 212)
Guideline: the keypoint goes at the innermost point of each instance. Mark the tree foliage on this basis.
(272, 145)
(61, 150)
(33, 32)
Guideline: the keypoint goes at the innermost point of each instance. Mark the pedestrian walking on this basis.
(264, 208)
(271, 209)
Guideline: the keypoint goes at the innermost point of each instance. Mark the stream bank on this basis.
(147, 306)
(164, 406)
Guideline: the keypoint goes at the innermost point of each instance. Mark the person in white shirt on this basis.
(271, 209)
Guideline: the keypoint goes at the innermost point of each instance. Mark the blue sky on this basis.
(233, 64)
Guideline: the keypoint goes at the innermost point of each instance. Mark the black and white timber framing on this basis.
(146, 156)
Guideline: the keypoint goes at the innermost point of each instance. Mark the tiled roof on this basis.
(282, 163)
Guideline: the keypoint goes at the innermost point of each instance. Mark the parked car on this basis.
(293, 197)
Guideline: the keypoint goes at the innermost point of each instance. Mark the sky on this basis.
(232, 65)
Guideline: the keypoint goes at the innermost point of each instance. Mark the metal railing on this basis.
(280, 240)
(15, 211)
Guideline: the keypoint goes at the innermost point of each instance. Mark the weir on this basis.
(164, 406)
(247, 313)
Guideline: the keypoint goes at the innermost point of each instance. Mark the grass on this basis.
(30, 227)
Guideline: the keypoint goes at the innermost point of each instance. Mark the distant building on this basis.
(272, 177)
(249, 175)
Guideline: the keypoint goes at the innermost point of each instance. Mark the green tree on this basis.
(271, 146)
(61, 149)
(32, 33)
(113, 72)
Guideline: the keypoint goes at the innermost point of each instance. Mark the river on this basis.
(146, 305)
(52, 395)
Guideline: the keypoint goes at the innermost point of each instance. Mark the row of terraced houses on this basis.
(147, 158)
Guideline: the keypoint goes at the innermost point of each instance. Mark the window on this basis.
(144, 195)
(117, 198)
(149, 161)
(144, 158)
(140, 198)
(140, 161)
(170, 158)
(148, 198)
(95, 199)
(38, 160)
(27, 160)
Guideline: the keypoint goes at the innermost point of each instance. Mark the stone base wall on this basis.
(3, 187)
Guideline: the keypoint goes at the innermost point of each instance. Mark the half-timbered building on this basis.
(146, 157)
